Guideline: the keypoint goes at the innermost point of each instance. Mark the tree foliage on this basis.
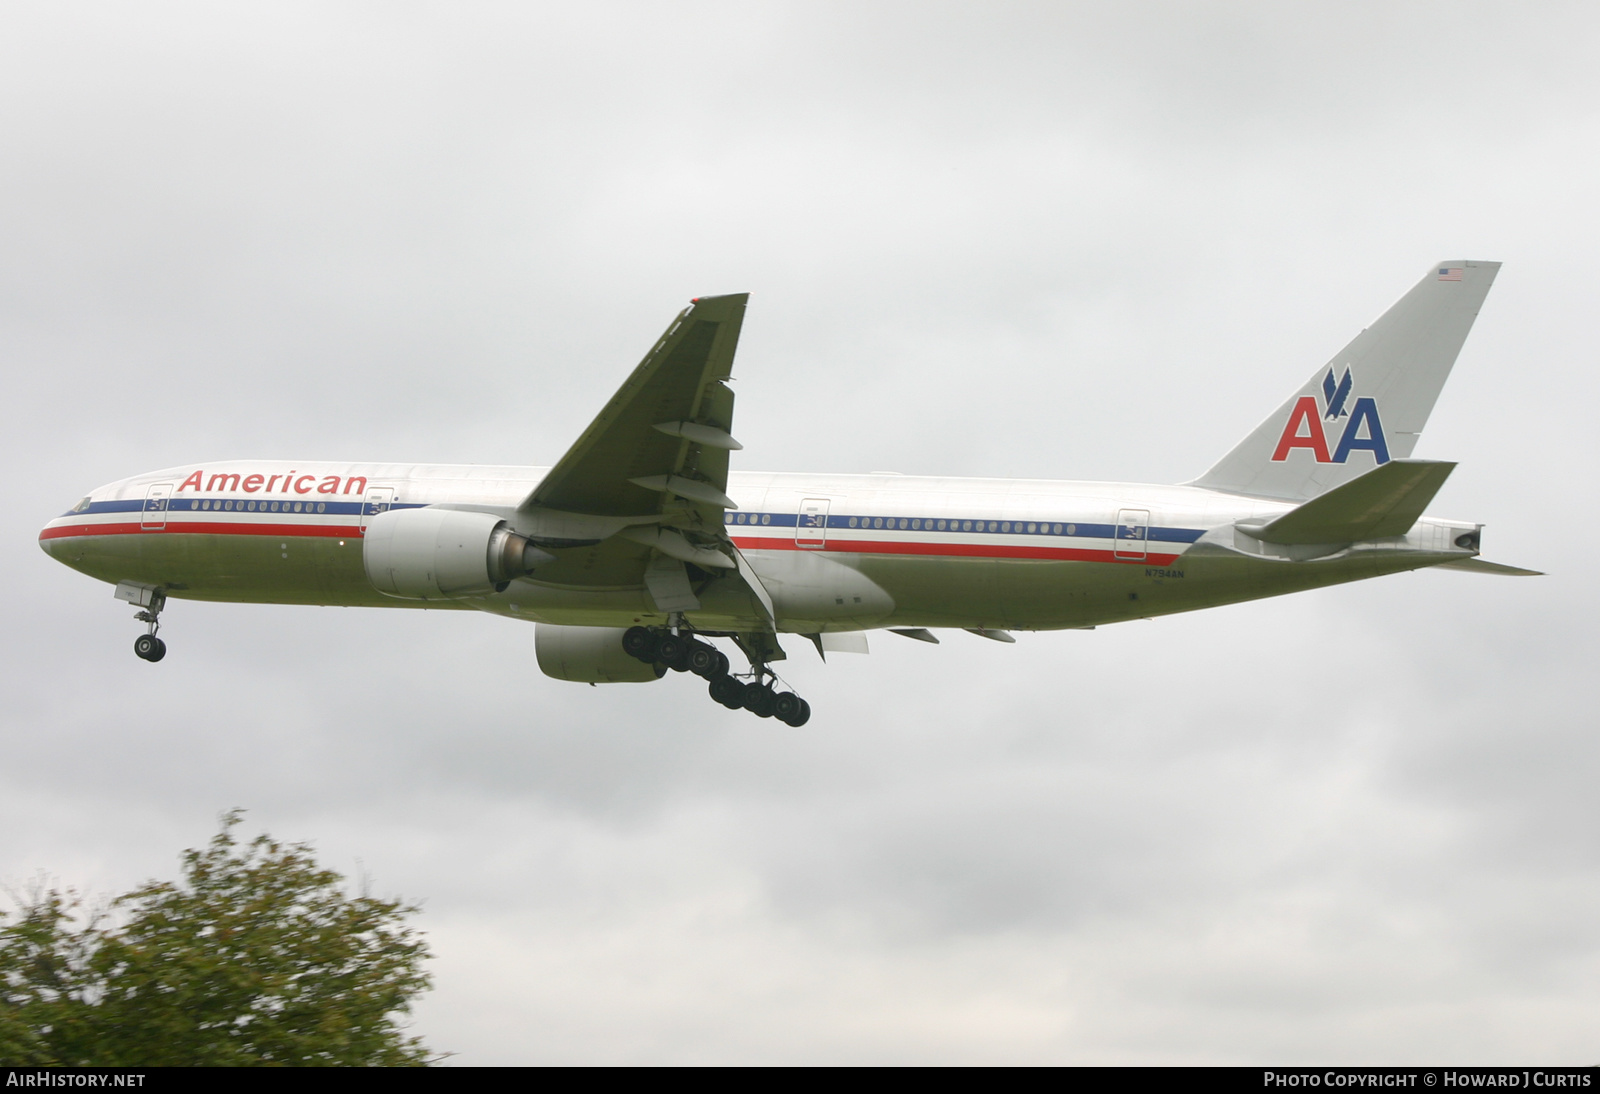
(257, 956)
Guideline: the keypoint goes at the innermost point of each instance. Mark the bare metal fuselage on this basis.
(835, 552)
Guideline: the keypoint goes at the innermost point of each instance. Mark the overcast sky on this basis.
(1093, 241)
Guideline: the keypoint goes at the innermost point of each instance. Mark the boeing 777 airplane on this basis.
(639, 545)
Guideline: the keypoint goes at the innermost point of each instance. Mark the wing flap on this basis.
(672, 543)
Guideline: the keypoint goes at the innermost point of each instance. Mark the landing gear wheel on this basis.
(801, 716)
(707, 661)
(640, 643)
(786, 707)
(727, 691)
(673, 652)
(759, 700)
(149, 647)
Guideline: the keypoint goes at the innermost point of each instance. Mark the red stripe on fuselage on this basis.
(330, 531)
(964, 550)
(747, 543)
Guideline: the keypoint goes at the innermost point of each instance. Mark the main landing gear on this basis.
(682, 652)
(147, 645)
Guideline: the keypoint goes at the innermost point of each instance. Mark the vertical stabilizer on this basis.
(1368, 405)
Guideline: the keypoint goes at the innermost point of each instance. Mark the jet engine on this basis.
(444, 554)
(589, 655)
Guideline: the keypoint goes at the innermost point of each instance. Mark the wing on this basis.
(662, 442)
(643, 491)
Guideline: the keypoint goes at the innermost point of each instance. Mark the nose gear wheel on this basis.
(147, 646)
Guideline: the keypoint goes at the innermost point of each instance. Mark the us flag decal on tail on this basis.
(1450, 273)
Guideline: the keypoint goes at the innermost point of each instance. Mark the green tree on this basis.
(257, 956)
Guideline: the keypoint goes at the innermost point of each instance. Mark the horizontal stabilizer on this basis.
(1483, 566)
(1386, 501)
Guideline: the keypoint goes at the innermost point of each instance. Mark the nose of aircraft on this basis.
(54, 535)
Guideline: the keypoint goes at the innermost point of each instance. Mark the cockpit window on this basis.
(81, 506)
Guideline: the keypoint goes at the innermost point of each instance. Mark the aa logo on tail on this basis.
(1309, 426)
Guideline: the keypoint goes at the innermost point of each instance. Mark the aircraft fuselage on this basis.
(836, 552)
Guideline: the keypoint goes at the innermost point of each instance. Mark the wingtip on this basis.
(732, 297)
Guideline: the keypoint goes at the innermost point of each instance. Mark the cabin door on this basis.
(378, 500)
(1132, 535)
(156, 501)
(811, 526)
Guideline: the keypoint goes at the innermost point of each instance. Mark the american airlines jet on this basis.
(640, 544)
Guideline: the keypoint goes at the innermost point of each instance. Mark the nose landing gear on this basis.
(149, 647)
(682, 652)
(150, 601)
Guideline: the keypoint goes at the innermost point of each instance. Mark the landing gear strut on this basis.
(679, 650)
(147, 645)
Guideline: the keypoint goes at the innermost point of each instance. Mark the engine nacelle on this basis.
(444, 554)
(589, 655)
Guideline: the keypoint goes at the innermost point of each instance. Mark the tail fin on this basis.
(1369, 404)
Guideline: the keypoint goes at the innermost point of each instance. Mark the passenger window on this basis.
(966, 526)
(766, 518)
(852, 522)
(1072, 529)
